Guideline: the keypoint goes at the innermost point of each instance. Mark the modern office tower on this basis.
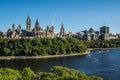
(104, 32)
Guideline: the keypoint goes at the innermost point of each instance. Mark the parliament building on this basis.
(36, 32)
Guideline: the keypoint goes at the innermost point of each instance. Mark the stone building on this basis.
(14, 33)
(118, 36)
(62, 31)
(113, 36)
(11, 33)
(36, 32)
(91, 34)
(28, 23)
(86, 36)
(104, 37)
(49, 32)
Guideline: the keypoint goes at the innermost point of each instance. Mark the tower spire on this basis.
(28, 23)
(62, 31)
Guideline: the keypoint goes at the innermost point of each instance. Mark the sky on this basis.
(76, 15)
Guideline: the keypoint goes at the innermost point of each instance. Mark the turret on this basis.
(13, 27)
(62, 31)
(52, 28)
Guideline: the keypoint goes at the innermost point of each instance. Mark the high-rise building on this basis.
(104, 30)
(28, 23)
(104, 33)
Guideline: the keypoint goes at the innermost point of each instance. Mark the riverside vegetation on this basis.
(37, 47)
(55, 73)
(102, 44)
(46, 46)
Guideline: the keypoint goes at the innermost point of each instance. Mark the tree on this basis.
(10, 74)
(1, 34)
(64, 73)
(6, 51)
(28, 74)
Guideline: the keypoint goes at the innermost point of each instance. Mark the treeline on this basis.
(64, 73)
(47, 46)
(11, 74)
(37, 46)
(103, 44)
(56, 73)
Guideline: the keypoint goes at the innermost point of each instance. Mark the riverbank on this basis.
(40, 57)
(92, 49)
(55, 56)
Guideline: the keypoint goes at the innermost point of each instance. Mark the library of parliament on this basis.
(36, 32)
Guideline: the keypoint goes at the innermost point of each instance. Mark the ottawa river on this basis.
(105, 64)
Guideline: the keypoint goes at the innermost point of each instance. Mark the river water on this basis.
(105, 64)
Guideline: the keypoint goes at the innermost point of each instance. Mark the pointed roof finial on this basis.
(28, 16)
(37, 21)
(62, 25)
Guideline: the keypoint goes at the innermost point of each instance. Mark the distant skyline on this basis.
(76, 15)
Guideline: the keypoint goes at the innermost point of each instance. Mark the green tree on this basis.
(28, 74)
(6, 51)
(10, 74)
(64, 73)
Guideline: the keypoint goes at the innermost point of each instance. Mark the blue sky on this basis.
(76, 15)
